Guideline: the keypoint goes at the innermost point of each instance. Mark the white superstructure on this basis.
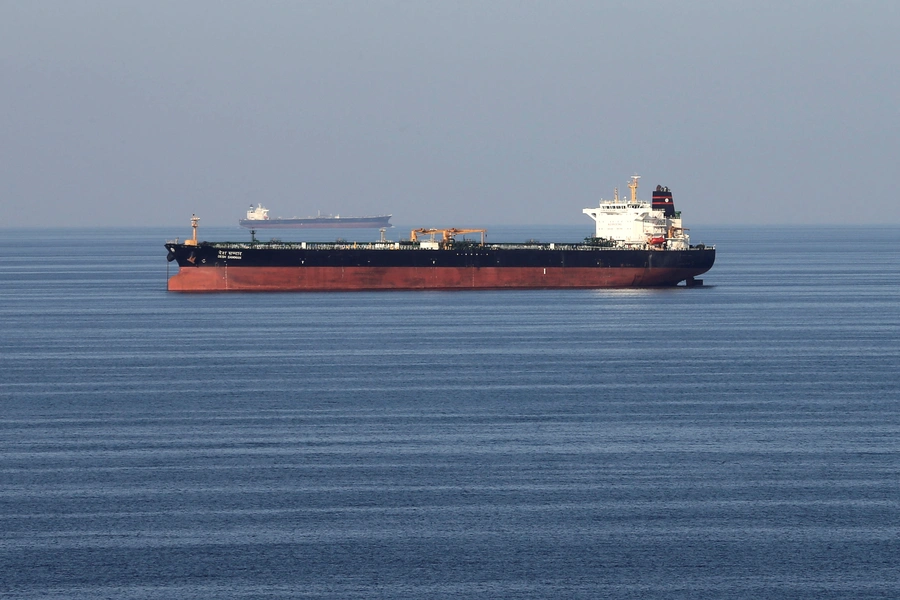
(258, 214)
(638, 223)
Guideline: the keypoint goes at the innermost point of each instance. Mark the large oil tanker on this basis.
(636, 244)
(258, 218)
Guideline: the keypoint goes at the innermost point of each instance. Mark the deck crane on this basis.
(448, 235)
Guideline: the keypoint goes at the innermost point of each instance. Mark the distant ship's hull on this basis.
(319, 223)
(288, 267)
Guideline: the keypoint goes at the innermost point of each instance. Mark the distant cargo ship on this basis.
(258, 218)
(637, 243)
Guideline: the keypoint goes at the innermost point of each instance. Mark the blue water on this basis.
(734, 441)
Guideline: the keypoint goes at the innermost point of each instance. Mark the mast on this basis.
(193, 241)
(634, 186)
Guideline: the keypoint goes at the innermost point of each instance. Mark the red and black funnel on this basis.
(662, 200)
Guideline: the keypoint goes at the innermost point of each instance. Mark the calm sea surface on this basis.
(736, 441)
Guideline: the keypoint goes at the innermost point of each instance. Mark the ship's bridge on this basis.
(637, 222)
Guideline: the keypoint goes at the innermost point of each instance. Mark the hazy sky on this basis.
(450, 113)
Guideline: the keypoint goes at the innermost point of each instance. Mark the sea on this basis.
(737, 440)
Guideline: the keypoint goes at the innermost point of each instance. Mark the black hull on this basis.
(293, 255)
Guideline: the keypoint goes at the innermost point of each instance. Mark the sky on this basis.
(447, 113)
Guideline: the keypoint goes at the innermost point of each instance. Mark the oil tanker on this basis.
(258, 218)
(636, 243)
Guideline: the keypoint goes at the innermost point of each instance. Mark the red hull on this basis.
(312, 279)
